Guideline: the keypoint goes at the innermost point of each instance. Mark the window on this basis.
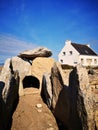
(70, 52)
(75, 62)
(95, 61)
(64, 53)
(82, 61)
(61, 61)
(89, 61)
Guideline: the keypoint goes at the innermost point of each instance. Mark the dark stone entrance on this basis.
(31, 81)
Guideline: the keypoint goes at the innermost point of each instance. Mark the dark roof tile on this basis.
(83, 49)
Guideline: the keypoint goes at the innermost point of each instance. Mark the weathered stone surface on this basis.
(94, 87)
(57, 80)
(81, 100)
(9, 85)
(5, 71)
(73, 104)
(60, 98)
(40, 66)
(22, 66)
(46, 91)
(38, 52)
(93, 79)
(55, 94)
(24, 69)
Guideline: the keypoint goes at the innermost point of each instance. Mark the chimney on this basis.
(88, 45)
(67, 42)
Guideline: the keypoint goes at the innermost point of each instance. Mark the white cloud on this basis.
(12, 46)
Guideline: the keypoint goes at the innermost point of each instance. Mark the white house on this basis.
(73, 54)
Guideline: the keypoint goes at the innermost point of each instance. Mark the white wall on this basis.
(85, 58)
(68, 58)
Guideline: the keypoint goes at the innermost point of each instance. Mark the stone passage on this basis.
(30, 81)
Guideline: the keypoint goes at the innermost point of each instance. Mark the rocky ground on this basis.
(32, 113)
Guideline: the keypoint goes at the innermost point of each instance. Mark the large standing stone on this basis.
(9, 85)
(24, 69)
(22, 66)
(85, 104)
(81, 100)
(60, 99)
(46, 91)
(40, 66)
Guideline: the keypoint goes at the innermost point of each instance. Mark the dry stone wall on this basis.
(93, 79)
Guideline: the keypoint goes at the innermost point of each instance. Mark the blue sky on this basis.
(27, 24)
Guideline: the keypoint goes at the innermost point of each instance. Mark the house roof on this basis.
(83, 49)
